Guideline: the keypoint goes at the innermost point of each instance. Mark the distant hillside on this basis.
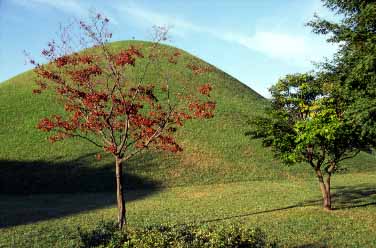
(214, 151)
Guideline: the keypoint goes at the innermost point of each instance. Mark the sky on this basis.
(255, 41)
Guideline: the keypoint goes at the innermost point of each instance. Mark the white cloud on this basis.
(69, 6)
(74, 7)
(160, 19)
(147, 18)
(299, 49)
(277, 45)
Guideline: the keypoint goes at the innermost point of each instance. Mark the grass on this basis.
(289, 211)
(222, 176)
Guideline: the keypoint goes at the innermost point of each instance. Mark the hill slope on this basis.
(214, 151)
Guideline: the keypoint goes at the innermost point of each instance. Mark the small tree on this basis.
(108, 108)
(306, 123)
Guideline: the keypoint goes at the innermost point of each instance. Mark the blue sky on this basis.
(255, 41)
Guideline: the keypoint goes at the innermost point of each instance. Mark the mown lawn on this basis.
(288, 210)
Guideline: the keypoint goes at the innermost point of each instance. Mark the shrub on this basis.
(103, 234)
(179, 236)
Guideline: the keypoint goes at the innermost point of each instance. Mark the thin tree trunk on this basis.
(327, 183)
(120, 194)
(324, 190)
(328, 196)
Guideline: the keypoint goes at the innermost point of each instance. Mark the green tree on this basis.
(306, 123)
(325, 118)
(353, 68)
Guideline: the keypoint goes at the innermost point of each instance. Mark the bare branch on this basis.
(82, 137)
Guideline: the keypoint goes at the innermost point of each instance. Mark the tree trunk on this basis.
(120, 194)
(325, 190)
(328, 196)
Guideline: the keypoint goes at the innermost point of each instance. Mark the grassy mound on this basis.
(214, 151)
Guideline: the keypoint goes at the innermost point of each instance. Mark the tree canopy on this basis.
(353, 68)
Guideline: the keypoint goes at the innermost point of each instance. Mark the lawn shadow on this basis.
(245, 214)
(344, 197)
(355, 197)
(347, 197)
(32, 191)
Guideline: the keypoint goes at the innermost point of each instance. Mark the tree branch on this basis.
(82, 137)
(350, 156)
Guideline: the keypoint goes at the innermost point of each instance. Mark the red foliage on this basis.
(45, 124)
(83, 76)
(100, 103)
(139, 120)
(74, 59)
(63, 61)
(127, 57)
(199, 69)
(205, 89)
(48, 74)
(203, 110)
(111, 148)
(169, 144)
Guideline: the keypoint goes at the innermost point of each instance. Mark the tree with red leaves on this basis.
(104, 106)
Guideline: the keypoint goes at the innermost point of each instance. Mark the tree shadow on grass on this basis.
(246, 214)
(32, 191)
(347, 197)
(355, 197)
(344, 197)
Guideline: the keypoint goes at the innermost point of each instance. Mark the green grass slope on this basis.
(221, 176)
(215, 150)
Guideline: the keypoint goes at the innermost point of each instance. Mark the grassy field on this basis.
(289, 211)
(222, 176)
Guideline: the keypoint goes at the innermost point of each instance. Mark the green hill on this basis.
(214, 151)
